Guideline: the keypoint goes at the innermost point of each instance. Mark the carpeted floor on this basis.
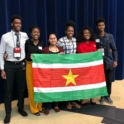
(91, 114)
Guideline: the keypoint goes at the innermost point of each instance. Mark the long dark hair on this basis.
(51, 34)
(80, 36)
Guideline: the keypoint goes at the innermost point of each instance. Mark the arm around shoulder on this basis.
(2, 51)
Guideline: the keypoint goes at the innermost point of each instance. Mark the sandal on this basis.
(69, 106)
(37, 114)
(76, 105)
(42, 111)
(92, 102)
(84, 103)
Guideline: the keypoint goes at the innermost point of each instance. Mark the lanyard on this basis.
(14, 40)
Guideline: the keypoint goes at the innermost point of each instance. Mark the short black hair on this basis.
(69, 23)
(33, 27)
(15, 17)
(80, 36)
(99, 21)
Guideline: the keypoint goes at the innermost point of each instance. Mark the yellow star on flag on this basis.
(70, 78)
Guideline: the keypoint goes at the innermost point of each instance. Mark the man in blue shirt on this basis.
(105, 42)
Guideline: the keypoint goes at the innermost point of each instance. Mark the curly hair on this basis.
(80, 36)
(68, 24)
(100, 20)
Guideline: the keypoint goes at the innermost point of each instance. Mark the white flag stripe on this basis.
(70, 88)
(62, 65)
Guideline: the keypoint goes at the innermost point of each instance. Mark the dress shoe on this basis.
(108, 100)
(22, 112)
(7, 119)
(102, 100)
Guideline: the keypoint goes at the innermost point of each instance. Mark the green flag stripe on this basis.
(72, 95)
(67, 58)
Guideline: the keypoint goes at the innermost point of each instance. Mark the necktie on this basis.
(17, 41)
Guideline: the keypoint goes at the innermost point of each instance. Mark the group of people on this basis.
(16, 51)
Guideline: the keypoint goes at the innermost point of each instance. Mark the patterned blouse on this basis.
(69, 46)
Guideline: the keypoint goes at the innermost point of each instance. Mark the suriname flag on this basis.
(64, 77)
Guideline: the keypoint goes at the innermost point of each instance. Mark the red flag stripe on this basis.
(53, 77)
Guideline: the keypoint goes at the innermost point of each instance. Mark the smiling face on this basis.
(69, 32)
(16, 25)
(52, 39)
(86, 34)
(35, 34)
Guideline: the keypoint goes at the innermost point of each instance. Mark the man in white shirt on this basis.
(13, 69)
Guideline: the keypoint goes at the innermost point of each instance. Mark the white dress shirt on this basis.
(8, 43)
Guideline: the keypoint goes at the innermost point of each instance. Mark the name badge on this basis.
(97, 40)
(17, 52)
(39, 47)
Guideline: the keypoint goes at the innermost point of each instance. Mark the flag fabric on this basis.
(64, 77)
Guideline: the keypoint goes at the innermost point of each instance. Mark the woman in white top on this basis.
(68, 44)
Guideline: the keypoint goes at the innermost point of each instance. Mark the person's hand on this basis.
(62, 53)
(5, 56)
(111, 50)
(30, 56)
(115, 64)
(3, 74)
(98, 49)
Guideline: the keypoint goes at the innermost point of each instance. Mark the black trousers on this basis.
(48, 105)
(109, 75)
(14, 72)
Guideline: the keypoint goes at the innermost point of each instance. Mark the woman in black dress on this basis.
(32, 45)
